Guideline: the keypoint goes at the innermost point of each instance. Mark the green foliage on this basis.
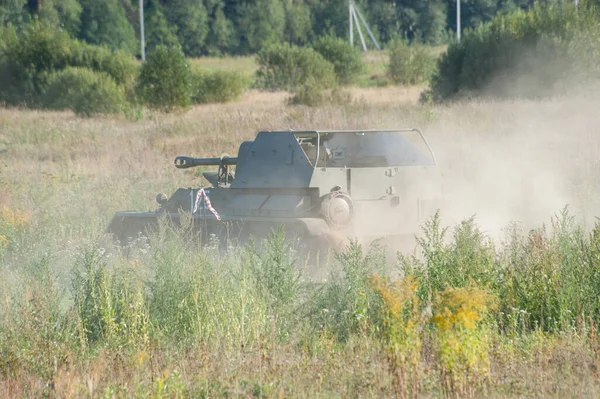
(313, 95)
(526, 53)
(41, 334)
(110, 305)
(164, 303)
(190, 19)
(8, 36)
(65, 14)
(348, 304)
(347, 60)
(540, 280)
(288, 67)
(310, 93)
(223, 26)
(275, 274)
(558, 275)
(40, 51)
(218, 87)
(259, 23)
(215, 27)
(119, 65)
(158, 29)
(410, 64)
(85, 92)
(13, 13)
(165, 81)
(221, 31)
(105, 23)
(298, 24)
(28, 63)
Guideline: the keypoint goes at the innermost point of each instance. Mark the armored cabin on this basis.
(356, 183)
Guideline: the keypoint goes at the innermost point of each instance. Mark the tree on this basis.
(13, 13)
(259, 23)
(190, 20)
(221, 30)
(330, 17)
(385, 23)
(298, 24)
(422, 21)
(158, 30)
(105, 22)
(165, 81)
(63, 13)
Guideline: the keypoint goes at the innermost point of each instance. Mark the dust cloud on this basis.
(517, 161)
(510, 163)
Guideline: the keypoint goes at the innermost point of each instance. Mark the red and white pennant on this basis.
(202, 193)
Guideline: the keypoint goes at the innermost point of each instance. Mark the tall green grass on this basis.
(152, 303)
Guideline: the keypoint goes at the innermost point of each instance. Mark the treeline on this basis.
(214, 27)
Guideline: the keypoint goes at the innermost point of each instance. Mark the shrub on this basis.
(525, 54)
(110, 304)
(348, 303)
(410, 64)
(118, 64)
(346, 59)
(308, 94)
(312, 95)
(217, 87)
(85, 92)
(165, 81)
(29, 63)
(287, 67)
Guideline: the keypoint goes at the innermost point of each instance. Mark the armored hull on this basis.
(321, 186)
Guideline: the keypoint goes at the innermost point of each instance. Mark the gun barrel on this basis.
(182, 162)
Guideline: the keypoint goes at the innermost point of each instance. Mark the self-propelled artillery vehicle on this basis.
(322, 186)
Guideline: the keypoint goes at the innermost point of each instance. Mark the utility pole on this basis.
(350, 22)
(352, 14)
(142, 30)
(458, 21)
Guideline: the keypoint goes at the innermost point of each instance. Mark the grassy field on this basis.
(505, 305)
(376, 63)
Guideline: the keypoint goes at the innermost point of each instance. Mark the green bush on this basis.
(165, 81)
(526, 54)
(217, 87)
(84, 91)
(346, 59)
(410, 64)
(308, 94)
(287, 67)
(312, 95)
(118, 64)
(27, 64)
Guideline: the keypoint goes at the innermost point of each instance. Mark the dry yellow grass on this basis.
(245, 65)
(375, 61)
